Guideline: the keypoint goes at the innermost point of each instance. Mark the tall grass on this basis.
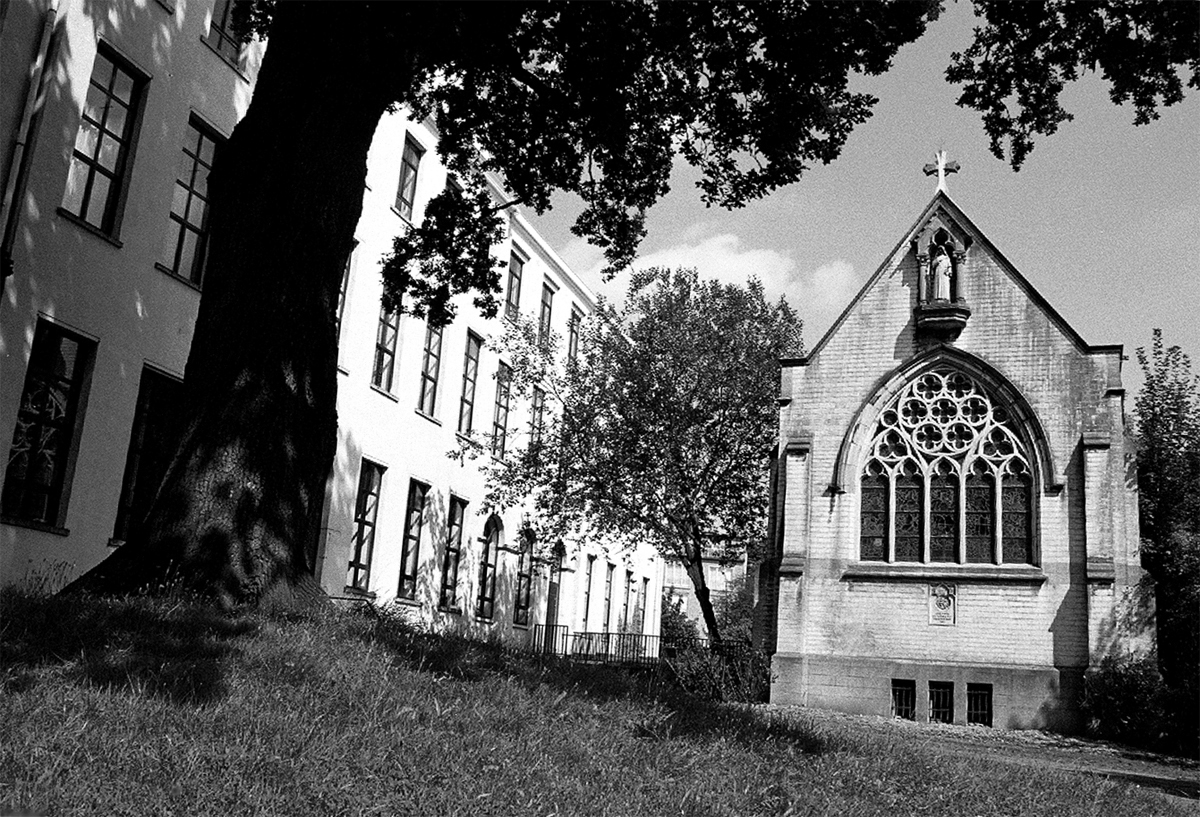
(146, 707)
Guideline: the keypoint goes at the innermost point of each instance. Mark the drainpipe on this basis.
(14, 186)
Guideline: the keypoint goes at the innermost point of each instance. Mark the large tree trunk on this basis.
(239, 510)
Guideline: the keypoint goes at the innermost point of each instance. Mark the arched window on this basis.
(947, 479)
(486, 604)
(524, 578)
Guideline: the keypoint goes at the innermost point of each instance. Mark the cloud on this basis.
(818, 296)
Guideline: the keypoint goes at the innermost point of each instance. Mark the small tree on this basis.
(1168, 419)
(663, 422)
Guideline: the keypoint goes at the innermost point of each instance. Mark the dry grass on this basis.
(151, 707)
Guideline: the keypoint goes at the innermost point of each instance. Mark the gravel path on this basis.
(1173, 775)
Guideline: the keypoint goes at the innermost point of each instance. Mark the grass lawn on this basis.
(152, 707)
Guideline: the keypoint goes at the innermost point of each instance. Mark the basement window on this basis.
(941, 702)
(979, 704)
(904, 699)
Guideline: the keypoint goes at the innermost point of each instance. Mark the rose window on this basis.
(947, 478)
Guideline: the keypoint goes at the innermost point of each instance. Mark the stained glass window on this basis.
(944, 438)
(943, 517)
(873, 536)
(1016, 490)
(908, 516)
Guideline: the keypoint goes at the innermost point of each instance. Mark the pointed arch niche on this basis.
(947, 459)
(941, 250)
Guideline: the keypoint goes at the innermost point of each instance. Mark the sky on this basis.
(1103, 218)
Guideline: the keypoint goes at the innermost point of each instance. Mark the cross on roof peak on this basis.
(941, 167)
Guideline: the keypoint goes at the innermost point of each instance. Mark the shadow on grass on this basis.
(675, 714)
(165, 648)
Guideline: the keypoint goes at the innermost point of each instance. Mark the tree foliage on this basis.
(1026, 52)
(662, 425)
(1168, 421)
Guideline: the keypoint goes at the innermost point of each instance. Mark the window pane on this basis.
(45, 425)
(117, 117)
(943, 518)
(98, 200)
(87, 139)
(76, 185)
(93, 106)
(1015, 519)
(170, 244)
(122, 86)
(108, 153)
(188, 256)
(980, 519)
(873, 533)
(908, 518)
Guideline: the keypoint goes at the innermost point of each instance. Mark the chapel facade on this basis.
(954, 527)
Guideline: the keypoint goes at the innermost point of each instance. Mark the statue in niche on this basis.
(940, 277)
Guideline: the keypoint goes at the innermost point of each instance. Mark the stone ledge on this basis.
(955, 573)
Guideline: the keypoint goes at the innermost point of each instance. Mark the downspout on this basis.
(14, 185)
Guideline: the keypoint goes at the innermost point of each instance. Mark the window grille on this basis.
(185, 245)
(406, 192)
(485, 607)
(430, 367)
(947, 478)
(941, 702)
(466, 406)
(414, 522)
(545, 316)
(512, 299)
(524, 582)
(385, 349)
(366, 508)
(979, 704)
(220, 32)
(500, 415)
(448, 599)
(47, 417)
(904, 699)
(102, 144)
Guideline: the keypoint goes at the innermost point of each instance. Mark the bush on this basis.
(726, 672)
(1126, 700)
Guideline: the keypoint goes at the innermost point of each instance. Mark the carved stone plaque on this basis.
(943, 605)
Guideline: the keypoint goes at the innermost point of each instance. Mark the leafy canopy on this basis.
(661, 428)
(1026, 52)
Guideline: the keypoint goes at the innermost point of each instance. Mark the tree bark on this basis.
(240, 507)
(695, 570)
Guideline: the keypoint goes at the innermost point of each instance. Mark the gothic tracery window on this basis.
(947, 478)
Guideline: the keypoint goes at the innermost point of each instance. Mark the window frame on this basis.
(220, 37)
(501, 410)
(152, 394)
(370, 485)
(70, 423)
(343, 290)
(448, 600)
(119, 175)
(470, 380)
(431, 367)
(524, 589)
(1000, 453)
(410, 170)
(384, 368)
(179, 225)
(587, 589)
(573, 327)
(516, 271)
(410, 551)
(608, 586)
(492, 540)
(545, 313)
